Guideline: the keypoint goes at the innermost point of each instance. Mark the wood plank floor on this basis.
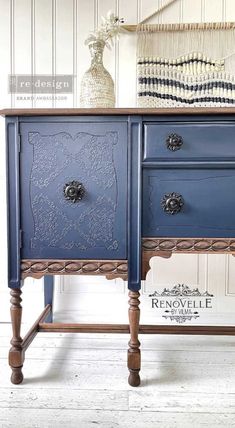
(80, 381)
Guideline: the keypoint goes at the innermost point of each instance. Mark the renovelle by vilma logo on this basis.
(181, 303)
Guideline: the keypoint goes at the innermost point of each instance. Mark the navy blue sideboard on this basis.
(100, 192)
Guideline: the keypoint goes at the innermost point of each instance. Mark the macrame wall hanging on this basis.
(185, 65)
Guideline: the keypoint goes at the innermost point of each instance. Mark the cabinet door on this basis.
(54, 156)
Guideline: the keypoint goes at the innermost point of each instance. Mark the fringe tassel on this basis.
(185, 65)
(174, 40)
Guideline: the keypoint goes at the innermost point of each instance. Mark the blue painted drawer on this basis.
(56, 154)
(207, 197)
(185, 141)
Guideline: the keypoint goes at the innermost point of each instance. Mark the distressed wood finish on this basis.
(165, 247)
(188, 329)
(203, 366)
(134, 344)
(115, 111)
(16, 355)
(109, 268)
(83, 328)
(189, 245)
(143, 329)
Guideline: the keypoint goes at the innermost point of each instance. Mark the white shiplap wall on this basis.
(47, 36)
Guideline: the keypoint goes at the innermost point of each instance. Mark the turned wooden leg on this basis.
(134, 344)
(16, 357)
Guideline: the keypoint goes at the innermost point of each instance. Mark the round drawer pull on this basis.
(172, 203)
(74, 191)
(174, 142)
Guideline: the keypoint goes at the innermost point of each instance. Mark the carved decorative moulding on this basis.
(213, 245)
(109, 268)
(164, 247)
(119, 268)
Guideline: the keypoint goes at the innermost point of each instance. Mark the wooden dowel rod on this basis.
(35, 328)
(180, 27)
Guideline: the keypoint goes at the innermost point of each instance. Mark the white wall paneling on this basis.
(127, 49)
(229, 10)
(214, 11)
(22, 44)
(212, 273)
(86, 21)
(65, 46)
(47, 36)
(191, 14)
(5, 69)
(44, 43)
(110, 56)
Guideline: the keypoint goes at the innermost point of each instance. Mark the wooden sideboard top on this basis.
(114, 111)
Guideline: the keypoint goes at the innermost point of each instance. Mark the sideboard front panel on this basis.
(55, 154)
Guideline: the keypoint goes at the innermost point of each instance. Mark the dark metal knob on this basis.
(174, 142)
(74, 191)
(172, 203)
